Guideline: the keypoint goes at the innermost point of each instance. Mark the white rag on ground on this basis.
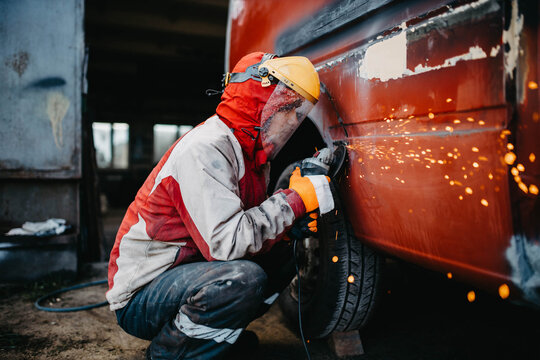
(54, 226)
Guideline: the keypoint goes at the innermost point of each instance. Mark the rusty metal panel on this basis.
(41, 60)
(29, 258)
(41, 67)
(38, 200)
(439, 103)
(425, 105)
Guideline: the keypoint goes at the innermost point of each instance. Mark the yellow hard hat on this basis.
(297, 72)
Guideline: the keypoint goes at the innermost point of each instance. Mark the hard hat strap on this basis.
(252, 72)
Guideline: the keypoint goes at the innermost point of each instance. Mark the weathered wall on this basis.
(41, 54)
(41, 71)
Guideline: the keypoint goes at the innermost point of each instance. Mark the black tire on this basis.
(329, 301)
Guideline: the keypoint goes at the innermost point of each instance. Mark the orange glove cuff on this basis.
(305, 189)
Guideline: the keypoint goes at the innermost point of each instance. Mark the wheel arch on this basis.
(304, 142)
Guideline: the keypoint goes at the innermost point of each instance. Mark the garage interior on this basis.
(149, 65)
(149, 68)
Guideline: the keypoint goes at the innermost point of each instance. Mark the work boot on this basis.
(244, 348)
(147, 354)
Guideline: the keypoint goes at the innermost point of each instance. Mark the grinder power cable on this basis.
(328, 163)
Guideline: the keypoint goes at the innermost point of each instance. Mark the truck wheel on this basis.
(339, 276)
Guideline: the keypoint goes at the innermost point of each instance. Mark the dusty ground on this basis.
(422, 316)
(27, 333)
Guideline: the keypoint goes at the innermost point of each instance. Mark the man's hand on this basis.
(305, 227)
(314, 191)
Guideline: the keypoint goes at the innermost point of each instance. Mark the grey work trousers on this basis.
(198, 310)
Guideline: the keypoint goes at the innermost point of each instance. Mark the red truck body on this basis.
(438, 103)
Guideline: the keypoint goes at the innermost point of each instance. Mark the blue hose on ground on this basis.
(78, 308)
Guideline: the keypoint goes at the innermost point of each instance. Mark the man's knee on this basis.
(247, 275)
(240, 281)
(236, 292)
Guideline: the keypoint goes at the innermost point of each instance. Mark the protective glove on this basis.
(304, 227)
(314, 191)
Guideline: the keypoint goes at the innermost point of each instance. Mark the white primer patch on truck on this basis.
(511, 39)
(474, 53)
(387, 59)
(495, 51)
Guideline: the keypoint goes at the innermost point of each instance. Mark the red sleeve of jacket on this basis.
(295, 201)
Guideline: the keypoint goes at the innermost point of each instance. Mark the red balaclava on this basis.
(241, 107)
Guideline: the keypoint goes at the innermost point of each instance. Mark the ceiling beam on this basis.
(202, 43)
(220, 4)
(198, 26)
(156, 50)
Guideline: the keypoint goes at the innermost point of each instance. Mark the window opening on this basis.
(165, 135)
(111, 141)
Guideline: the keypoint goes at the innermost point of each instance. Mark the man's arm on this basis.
(208, 200)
